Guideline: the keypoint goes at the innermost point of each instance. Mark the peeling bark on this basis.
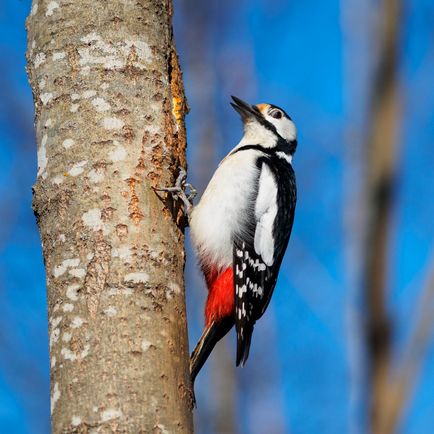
(109, 117)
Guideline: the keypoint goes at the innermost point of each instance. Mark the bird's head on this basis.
(267, 123)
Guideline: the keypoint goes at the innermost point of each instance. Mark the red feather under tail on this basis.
(220, 303)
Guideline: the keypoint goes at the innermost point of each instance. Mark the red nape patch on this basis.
(220, 302)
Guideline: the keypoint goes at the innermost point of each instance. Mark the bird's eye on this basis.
(277, 114)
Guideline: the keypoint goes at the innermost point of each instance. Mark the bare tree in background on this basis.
(380, 183)
(110, 109)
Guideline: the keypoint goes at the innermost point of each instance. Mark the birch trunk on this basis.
(110, 108)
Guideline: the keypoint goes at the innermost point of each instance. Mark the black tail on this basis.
(243, 345)
(211, 335)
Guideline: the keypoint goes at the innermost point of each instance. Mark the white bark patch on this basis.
(54, 337)
(34, 9)
(40, 58)
(49, 123)
(67, 263)
(67, 143)
(56, 321)
(52, 6)
(100, 104)
(112, 123)
(75, 420)
(112, 55)
(55, 396)
(96, 175)
(88, 94)
(74, 108)
(77, 272)
(46, 97)
(58, 179)
(70, 355)
(127, 291)
(68, 307)
(143, 51)
(42, 157)
(110, 311)
(145, 345)
(72, 292)
(85, 70)
(137, 277)
(92, 219)
(62, 238)
(66, 337)
(118, 154)
(153, 129)
(77, 322)
(77, 168)
(53, 361)
(42, 83)
(110, 414)
(59, 55)
(162, 429)
(123, 252)
(172, 288)
(75, 96)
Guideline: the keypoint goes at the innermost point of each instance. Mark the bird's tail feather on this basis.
(243, 346)
(211, 335)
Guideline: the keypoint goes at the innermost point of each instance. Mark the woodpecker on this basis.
(241, 227)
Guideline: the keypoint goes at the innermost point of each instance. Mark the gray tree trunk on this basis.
(110, 109)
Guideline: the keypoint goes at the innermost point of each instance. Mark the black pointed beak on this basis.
(245, 110)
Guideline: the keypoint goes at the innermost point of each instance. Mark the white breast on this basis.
(222, 210)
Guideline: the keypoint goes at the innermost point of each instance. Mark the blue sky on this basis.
(314, 59)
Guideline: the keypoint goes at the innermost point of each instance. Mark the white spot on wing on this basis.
(286, 157)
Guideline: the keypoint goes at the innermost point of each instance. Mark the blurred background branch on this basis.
(380, 188)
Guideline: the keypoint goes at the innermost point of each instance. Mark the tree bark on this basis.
(109, 108)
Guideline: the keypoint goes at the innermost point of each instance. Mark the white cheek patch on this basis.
(285, 127)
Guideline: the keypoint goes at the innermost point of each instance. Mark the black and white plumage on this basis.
(243, 223)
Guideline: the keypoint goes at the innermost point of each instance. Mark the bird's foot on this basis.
(182, 190)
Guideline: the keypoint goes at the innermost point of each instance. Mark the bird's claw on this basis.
(181, 191)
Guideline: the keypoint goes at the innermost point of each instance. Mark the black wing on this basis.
(258, 252)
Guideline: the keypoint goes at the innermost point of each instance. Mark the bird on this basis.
(241, 226)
